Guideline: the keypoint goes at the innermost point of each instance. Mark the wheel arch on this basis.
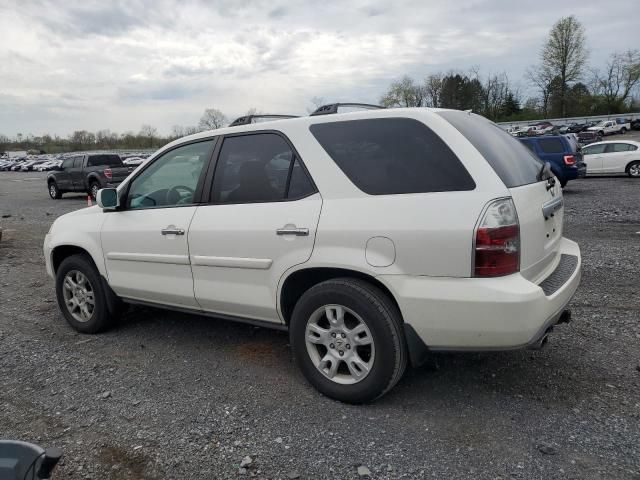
(59, 253)
(299, 281)
(626, 169)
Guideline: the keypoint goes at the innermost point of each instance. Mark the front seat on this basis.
(255, 185)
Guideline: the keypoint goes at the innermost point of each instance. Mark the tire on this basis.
(93, 190)
(54, 192)
(362, 303)
(563, 183)
(623, 130)
(95, 319)
(601, 133)
(633, 169)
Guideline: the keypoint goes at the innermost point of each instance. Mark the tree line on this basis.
(566, 86)
(565, 83)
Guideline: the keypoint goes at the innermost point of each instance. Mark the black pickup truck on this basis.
(87, 173)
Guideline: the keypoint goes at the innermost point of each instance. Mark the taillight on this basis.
(497, 240)
(569, 160)
(108, 173)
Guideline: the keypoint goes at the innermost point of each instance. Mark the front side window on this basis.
(67, 163)
(258, 168)
(172, 179)
(384, 156)
(77, 162)
(593, 149)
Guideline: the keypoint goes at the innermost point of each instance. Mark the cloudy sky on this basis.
(68, 65)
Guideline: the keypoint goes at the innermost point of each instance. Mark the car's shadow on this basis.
(551, 376)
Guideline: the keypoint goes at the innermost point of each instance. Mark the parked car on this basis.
(30, 165)
(587, 137)
(465, 250)
(609, 127)
(133, 161)
(542, 128)
(566, 162)
(86, 173)
(635, 124)
(613, 157)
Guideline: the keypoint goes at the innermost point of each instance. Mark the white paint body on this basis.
(420, 246)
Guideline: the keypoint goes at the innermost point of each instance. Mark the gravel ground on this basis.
(168, 395)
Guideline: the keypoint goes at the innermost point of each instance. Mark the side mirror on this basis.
(107, 199)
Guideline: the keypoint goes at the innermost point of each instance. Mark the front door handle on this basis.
(172, 231)
(300, 232)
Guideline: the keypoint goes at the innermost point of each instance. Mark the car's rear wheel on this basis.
(81, 296)
(54, 192)
(633, 170)
(93, 190)
(347, 338)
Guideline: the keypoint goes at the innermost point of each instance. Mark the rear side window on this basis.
(551, 145)
(258, 168)
(385, 156)
(513, 162)
(104, 160)
(618, 147)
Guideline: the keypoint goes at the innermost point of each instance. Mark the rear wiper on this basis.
(545, 172)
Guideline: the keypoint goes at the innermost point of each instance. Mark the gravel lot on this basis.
(168, 395)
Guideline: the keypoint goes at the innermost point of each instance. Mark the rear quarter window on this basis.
(384, 156)
(515, 164)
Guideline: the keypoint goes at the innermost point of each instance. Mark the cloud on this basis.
(93, 64)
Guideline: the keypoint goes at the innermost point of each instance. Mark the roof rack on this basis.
(247, 119)
(333, 107)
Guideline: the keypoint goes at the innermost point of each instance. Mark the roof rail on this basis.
(247, 119)
(333, 107)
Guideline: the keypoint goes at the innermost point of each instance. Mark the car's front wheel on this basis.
(81, 296)
(347, 339)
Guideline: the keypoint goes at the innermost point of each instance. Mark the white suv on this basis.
(373, 237)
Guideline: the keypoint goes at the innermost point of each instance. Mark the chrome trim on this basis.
(300, 232)
(552, 206)
(172, 231)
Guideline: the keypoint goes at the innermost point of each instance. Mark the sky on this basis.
(91, 65)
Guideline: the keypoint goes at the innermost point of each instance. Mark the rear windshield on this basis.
(515, 164)
(383, 156)
(104, 160)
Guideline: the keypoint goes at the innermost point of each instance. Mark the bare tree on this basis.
(150, 133)
(543, 82)
(211, 119)
(316, 102)
(620, 78)
(432, 89)
(564, 55)
(404, 93)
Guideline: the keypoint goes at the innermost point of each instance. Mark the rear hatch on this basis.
(536, 193)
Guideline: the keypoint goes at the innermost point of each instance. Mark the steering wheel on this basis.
(174, 197)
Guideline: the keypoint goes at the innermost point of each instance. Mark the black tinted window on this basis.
(512, 162)
(529, 145)
(257, 168)
(392, 155)
(551, 145)
(104, 160)
(300, 185)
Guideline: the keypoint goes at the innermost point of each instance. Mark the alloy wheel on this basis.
(78, 296)
(340, 344)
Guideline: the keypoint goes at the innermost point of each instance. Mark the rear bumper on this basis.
(478, 314)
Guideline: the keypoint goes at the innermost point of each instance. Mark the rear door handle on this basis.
(172, 231)
(300, 232)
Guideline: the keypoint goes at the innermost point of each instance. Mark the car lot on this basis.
(169, 395)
